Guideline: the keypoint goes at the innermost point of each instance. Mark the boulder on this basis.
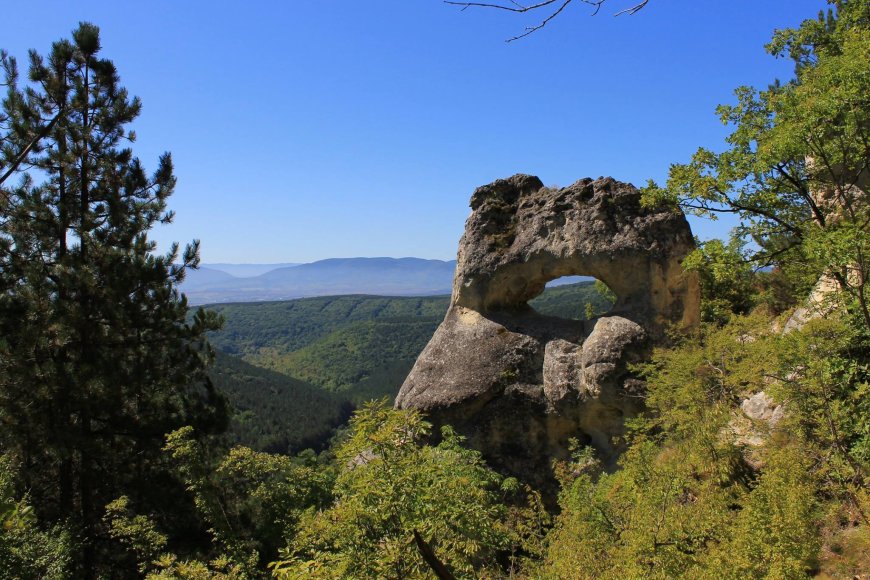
(519, 384)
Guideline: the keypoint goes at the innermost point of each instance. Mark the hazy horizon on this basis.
(366, 129)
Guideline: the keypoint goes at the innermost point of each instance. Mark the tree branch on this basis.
(531, 29)
(516, 7)
(631, 10)
(429, 556)
(24, 152)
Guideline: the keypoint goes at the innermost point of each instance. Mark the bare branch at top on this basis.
(515, 6)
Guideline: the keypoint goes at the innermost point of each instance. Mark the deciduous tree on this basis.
(797, 167)
(403, 509)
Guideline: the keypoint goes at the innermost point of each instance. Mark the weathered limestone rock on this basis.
(818, 304)
(761, 407)
(519, 384)
(751, 425)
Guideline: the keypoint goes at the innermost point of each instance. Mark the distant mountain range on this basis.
(248, 270)
(218, 283)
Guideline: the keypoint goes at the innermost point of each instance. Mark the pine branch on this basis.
(24, 152)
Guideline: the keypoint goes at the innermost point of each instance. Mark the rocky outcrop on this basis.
(818, 304)
(519, 384)
(759, 414)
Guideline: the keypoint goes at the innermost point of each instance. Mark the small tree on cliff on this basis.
(97, 361)
(797, 168)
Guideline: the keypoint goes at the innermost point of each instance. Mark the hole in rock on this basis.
(574, 298)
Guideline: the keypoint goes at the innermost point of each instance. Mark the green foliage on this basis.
(684, 502)
(796, 161)
(341, 360)
(169, 567)
(306, 363)
(137, 533)
(274, 412)
(671, 497)
(775, 535)
(795, 173)
(785, 286)
(251, 501)
(141, 539)
(360, 347)
(579, 301)
(528, 523)
(694, 387)
(649, 519)
(26, 551)
(824, 374)
(97, 360)
(292, 325)
(726, 278)
(390, 487)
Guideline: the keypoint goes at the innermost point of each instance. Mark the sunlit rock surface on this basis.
(520, 384)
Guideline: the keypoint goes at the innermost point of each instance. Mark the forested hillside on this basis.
(293, 370)
(748, 455)
(360, 346)
(273, 412)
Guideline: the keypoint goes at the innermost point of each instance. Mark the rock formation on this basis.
(519, 384)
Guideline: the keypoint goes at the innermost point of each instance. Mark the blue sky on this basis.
(308, 129)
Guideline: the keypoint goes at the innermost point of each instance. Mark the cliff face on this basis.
(519, 384)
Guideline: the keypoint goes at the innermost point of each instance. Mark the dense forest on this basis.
(273, 412)
(343, 343)
(293, 370)
(113, 449)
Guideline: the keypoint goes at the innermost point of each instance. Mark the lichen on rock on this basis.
(520, 384)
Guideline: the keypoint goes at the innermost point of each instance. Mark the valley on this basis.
(294, 369)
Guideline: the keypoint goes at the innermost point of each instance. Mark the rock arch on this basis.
(519, 384)
(520, 235)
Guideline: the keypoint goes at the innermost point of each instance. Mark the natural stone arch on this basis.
(520, 235)
(519, 384)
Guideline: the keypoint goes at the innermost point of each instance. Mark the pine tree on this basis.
(98, 360)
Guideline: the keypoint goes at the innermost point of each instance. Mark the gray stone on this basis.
(761, 407)
(519, 384)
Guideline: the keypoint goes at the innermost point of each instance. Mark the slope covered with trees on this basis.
(360, 346)
(292, 371)
(107, 469)
(273, 412)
